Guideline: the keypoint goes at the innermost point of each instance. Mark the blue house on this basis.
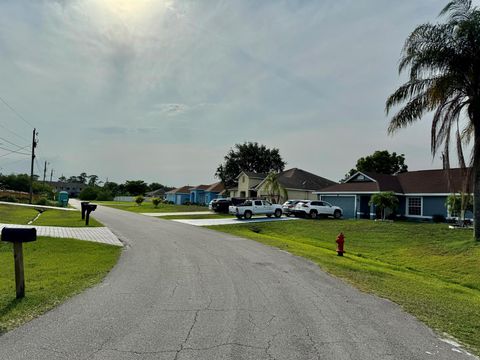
(214, 191)
(179, 196)
(422, 194)
(203, 194)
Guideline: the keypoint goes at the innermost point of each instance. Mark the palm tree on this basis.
(444, 78)
(274, 189)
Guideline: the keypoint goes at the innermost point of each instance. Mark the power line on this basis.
(13, 151)
(15, 112)
(11, 143)
(13, 132)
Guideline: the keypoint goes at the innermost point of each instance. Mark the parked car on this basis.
(255, 207)
(289, 205)
(316, 208)
(221, 205)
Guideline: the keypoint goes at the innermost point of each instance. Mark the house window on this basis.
(414, 206)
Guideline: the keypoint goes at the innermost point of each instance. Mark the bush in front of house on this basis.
(438, 218)
(9, 198)
(89, 193)
(139, 199)
(42, 201)
(156, 202)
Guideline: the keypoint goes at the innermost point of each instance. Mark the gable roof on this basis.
(439, 181)
(299, 179)
(217, 187)
(180, 190)
(156, 192)
(200, 187)
(253, 175)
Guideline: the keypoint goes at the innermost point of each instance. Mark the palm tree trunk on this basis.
(476, 182)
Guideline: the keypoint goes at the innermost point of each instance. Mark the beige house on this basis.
(300, 185)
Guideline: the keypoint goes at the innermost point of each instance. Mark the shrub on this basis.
(156, 201)
(89, 193)
(104, 195)
(42, 201)
(9, 198)
(139, 200)
(187, 203)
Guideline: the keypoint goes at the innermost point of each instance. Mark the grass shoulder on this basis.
(430, 270)
(13, 214)
(149, 207)
(55, 269)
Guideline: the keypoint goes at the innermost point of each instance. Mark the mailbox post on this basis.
(89, 209)
(18, 237)
(84, 208)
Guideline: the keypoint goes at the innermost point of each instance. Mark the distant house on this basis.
(73, 189)
(197, 194)
(159, 193)
(179, 196)
(421, 194)
(214, 191)
(298, 183)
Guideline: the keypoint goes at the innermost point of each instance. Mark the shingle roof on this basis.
(438, 181)
(156, 192)
(200, 187)
(217, 187)
(300, 179)
(181, 190)
(254, 175)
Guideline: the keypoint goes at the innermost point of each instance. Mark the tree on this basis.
(249, 156)
(136, 187)
(72, 179)
(112, 188)
(89, 193)
(82, 178)
(384, 200)
(274, 189)
(444, 70)
(62, 179)
(92, 180)
(381, 162)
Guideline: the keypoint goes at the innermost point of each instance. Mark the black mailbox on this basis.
(89, 208)
(19, 235)
(84, 208)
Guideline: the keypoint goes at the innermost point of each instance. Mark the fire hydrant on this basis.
(340, 241)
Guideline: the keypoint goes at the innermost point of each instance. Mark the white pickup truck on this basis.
(255, 207)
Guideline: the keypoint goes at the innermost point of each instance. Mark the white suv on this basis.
(316, 208)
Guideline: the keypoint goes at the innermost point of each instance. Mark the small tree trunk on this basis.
(476, 182)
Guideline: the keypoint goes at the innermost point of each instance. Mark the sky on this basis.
(161, 90)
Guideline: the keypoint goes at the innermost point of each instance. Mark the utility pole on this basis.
(51, 175)
(34, 145)
(44, 172)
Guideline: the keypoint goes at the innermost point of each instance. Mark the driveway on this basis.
(182, 292)
(232, 221)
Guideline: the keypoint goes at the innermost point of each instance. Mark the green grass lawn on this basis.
(433, 272)
(12, 214)
(55, 269)
(148, 207)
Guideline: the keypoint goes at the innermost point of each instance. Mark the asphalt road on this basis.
(184, 292)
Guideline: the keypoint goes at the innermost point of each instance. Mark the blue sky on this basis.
(160, 90)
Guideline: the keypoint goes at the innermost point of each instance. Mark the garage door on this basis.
(347, 203)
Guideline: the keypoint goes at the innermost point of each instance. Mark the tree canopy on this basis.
(380, 162)
(443, 66)
(249, 156)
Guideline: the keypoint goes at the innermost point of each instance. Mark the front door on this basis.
(364, 207)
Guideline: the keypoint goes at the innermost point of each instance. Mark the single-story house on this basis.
(159, 193)
(179, 196)
(214, 191)
(422, 194)
(298, 183)
(203, 194)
